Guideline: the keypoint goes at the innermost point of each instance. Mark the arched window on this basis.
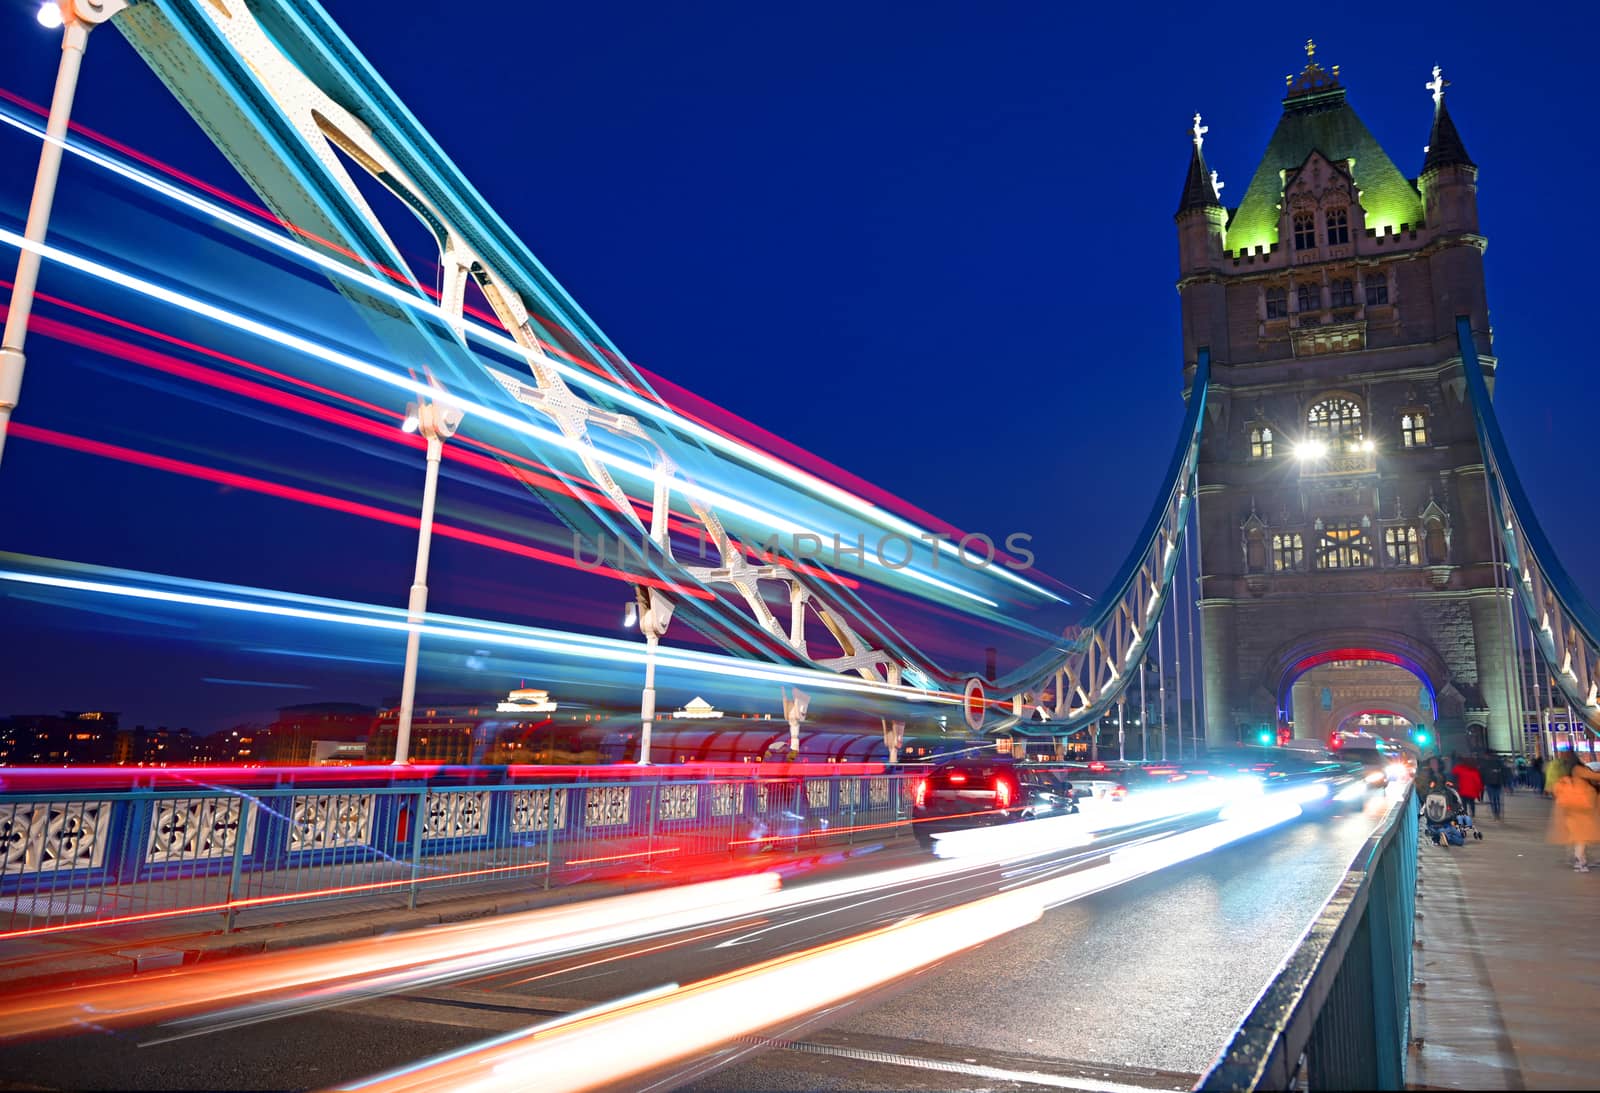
(1413, 429)
(1402, 545)
(1277, 302)
(1337, 423)
(1260, 442)
(1288, 552)
(1343, 292)
(1305, 231)
(1307, 297)
(1343, 545)
(1338, 222)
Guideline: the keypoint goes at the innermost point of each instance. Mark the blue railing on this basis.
(1337, 1015)
(69, 860)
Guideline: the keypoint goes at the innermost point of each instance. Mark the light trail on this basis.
(556, 642)
(421, 390)
(654, 409)
(635, 1039)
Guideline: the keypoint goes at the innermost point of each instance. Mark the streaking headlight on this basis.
(1377, 777)
(1395, 771)
(1351, 792)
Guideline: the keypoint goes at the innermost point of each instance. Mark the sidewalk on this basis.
(1506, 990)
(93, 954)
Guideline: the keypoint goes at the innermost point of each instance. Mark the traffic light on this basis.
(1264, 737)
(1420, 735)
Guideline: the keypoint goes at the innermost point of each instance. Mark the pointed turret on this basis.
(1199, 186)
(1444, 143)
(1449, 179)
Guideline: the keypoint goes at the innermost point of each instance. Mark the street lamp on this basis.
(78, 17)
(1308, 450)
(652, 611)
(437, 424)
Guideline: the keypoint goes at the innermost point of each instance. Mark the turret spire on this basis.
(1200, 187)
(1444, 143)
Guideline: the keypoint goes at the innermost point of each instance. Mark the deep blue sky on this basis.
(931, 243)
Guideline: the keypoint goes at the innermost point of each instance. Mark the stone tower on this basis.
(1344, 527)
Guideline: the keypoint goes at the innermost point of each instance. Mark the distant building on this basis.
(697, 707)
(72, 738)
(159, 747)
(291, 739)
(527, 700)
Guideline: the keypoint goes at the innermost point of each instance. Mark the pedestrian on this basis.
(1469, 783)
(1517, 773)
(1494, 777)
(1575, 821)
(1430, 778)
(1536, 773)
(1554, 771)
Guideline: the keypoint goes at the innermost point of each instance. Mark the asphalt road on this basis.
(1152, 975)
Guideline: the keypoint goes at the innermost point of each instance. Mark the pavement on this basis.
(1506, 987)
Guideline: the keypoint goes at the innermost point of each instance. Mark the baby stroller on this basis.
(1445, 816)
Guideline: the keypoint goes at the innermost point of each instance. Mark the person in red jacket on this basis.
(1469, 783)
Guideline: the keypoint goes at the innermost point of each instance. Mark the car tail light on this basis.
(1002, 793)
(1097, 766)
(957, 778)
(921, 793)
(1119, 793)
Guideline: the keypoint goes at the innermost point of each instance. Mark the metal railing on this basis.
(73, 860)
(1338, 1013)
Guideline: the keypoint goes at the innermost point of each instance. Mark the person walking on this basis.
(1536, 773)
(1469, 783)
(1494, 779)
(1575, 821)
(1554, 771)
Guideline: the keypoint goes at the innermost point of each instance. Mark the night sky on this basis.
(932, 244)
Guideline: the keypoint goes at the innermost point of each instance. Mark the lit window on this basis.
(1277, 303)
(1337, 423)
(1413, 429)
(1344, 546)
(1343, 291)
(1377, 291)
(1288, 552)
(1261, 443)
(1338, 227)
(1401, 543)
(1307, 298)
(1305, 231)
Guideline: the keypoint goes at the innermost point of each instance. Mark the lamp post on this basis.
(76, 18)
(652, 611)
(437, 424)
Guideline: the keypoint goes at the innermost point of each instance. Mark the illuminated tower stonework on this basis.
(1343, 516)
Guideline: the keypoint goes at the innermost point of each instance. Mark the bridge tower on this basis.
(1342, 504)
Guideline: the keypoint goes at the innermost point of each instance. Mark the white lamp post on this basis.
(77, 17)
(437, 424)
(652, 611)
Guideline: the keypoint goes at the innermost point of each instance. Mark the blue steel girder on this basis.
(1563, 623)
(287, 98)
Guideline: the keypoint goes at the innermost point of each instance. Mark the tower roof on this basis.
(1199, 186)
(1444, 143)
(1316, 118)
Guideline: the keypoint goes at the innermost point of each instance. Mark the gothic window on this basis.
(1377, 291)
(1343, 546)
(1438, 549)
(1338, 227)
(1277, 303)
(1288, 552)
(1337, 423)
(1401, 545)
(1305, 231)
(1255, 552)
(1260, 442)
(1307, 297)
(1343, 291)
(1413, 429)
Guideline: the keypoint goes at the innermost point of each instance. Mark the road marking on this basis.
(976, 1070)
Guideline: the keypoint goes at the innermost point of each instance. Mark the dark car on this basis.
(980, 792)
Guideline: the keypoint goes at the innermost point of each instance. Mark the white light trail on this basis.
(487, 335)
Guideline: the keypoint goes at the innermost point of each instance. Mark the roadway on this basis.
(1139, 985)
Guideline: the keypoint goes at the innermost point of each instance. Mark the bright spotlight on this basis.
(1367, 445)
(49, 15)
(1310, 449)
(413, 420)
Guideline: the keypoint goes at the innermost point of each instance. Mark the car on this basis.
(1379, 765)
(966, 793)
(1097, 782)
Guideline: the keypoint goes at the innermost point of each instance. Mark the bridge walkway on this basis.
(1507, 979)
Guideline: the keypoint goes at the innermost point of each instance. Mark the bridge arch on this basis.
(1294, 659)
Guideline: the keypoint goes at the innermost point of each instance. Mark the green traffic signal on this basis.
(1421, 736)
(1264, 737)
